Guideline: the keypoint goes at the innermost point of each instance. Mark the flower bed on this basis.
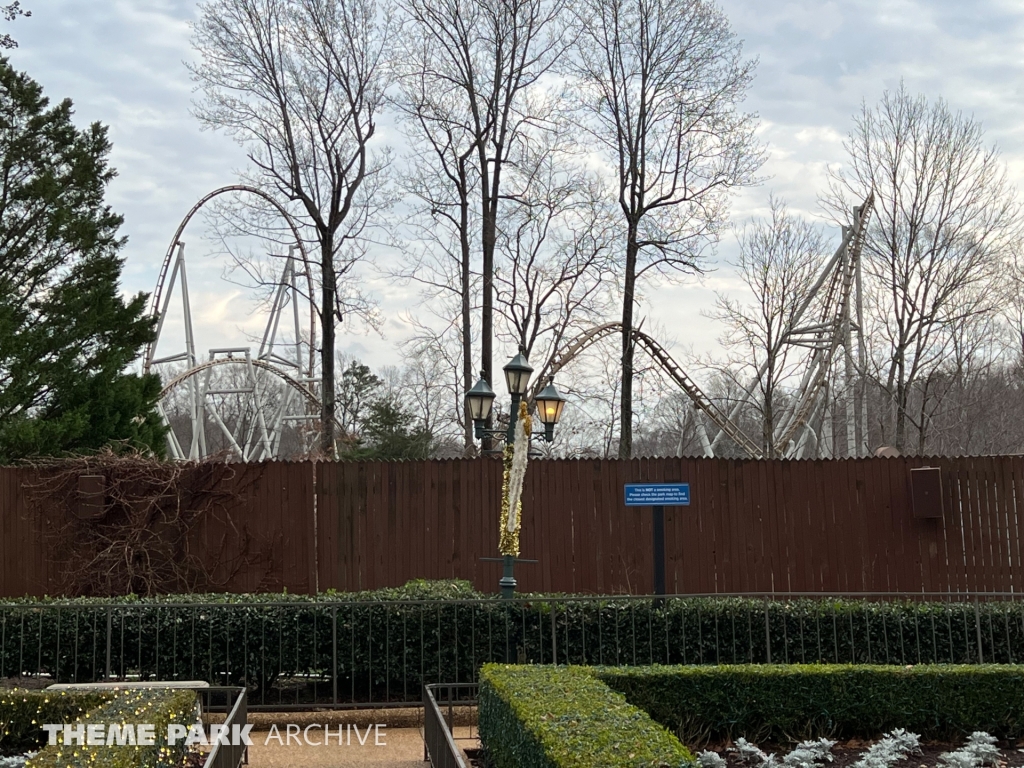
(896, 749)
(554, 717)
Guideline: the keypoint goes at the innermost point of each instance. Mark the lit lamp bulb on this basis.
(549, 409)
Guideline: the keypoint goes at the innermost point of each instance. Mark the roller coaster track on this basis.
(195, 371)
(661, 356)
(821, 361)
(304, 391)
(157, 297)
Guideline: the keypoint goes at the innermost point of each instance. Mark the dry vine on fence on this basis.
(124, 524)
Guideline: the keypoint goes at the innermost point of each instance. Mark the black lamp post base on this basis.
(508, 580)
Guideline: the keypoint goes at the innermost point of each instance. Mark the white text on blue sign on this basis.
(657, 494)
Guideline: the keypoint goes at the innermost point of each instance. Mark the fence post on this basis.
(554, 637)
(334, 650)
(109, 636)
(767, 633)
(977, 629)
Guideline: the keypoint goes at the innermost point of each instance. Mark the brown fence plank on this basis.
(1007, 491)
(829, 525)
(954, 572)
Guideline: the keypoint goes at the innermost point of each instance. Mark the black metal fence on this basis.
(293, 654)
(234, 753)
(440, 701)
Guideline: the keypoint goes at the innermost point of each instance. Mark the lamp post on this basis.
(480, 400)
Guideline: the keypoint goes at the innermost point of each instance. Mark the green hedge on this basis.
(784, 703)
(564, 717)
(22, 713)
(390, 642)
(154, 707)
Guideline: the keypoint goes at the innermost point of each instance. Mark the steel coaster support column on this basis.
(827, 445)
(702, 433)
(276, 306)
(277, 425)
(295, 313)
(172, 440)
(227, 433)
(258, 404)
(808, 432)
(862, 363)
(849, 378)
(790, 328)
(205, 392)
(179, 263)
(259, 423)
(196, 449)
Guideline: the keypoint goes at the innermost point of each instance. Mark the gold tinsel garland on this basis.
(508, 544)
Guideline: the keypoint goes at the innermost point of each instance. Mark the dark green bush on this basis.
(785, 703)
(384, 645)
(22, 713)
(154, 707)
(564, 717)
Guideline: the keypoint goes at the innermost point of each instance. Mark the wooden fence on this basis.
(752, 526)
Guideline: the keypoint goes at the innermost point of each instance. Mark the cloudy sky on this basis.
(121, 62)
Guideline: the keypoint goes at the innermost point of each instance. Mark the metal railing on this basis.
(335, 653)
(439, 703)
(233, 754)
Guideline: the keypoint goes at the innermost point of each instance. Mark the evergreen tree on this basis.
(66, 335)
(393, 433)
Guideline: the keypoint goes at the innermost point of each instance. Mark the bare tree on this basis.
(945, 216)
(300, 84)
(471, 66)
(778, 261)
(659, 84)
(10, 12)
(441, 179)
(554, 239)
(1013, 305)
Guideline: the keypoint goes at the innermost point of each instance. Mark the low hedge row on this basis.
(564, 717)
(158, 708)
(787, 703)
(386, 644)
(22, 713)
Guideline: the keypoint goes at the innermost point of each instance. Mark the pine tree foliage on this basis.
(66, 334)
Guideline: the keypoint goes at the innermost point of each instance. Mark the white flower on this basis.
(979, 750)
(710, 760)
(809, 754)
(892, 748)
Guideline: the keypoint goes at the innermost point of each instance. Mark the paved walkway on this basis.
(403, 748)
(400, 748)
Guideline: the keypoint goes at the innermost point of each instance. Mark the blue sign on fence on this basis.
(657, 494)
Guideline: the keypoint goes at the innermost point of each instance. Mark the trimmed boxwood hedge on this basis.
(22, 713)
(564, 717)
(784, 703)
(390, 642)
(156, 707)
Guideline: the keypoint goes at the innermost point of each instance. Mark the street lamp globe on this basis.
(550, 404)
(517, 375)
(480, 399)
